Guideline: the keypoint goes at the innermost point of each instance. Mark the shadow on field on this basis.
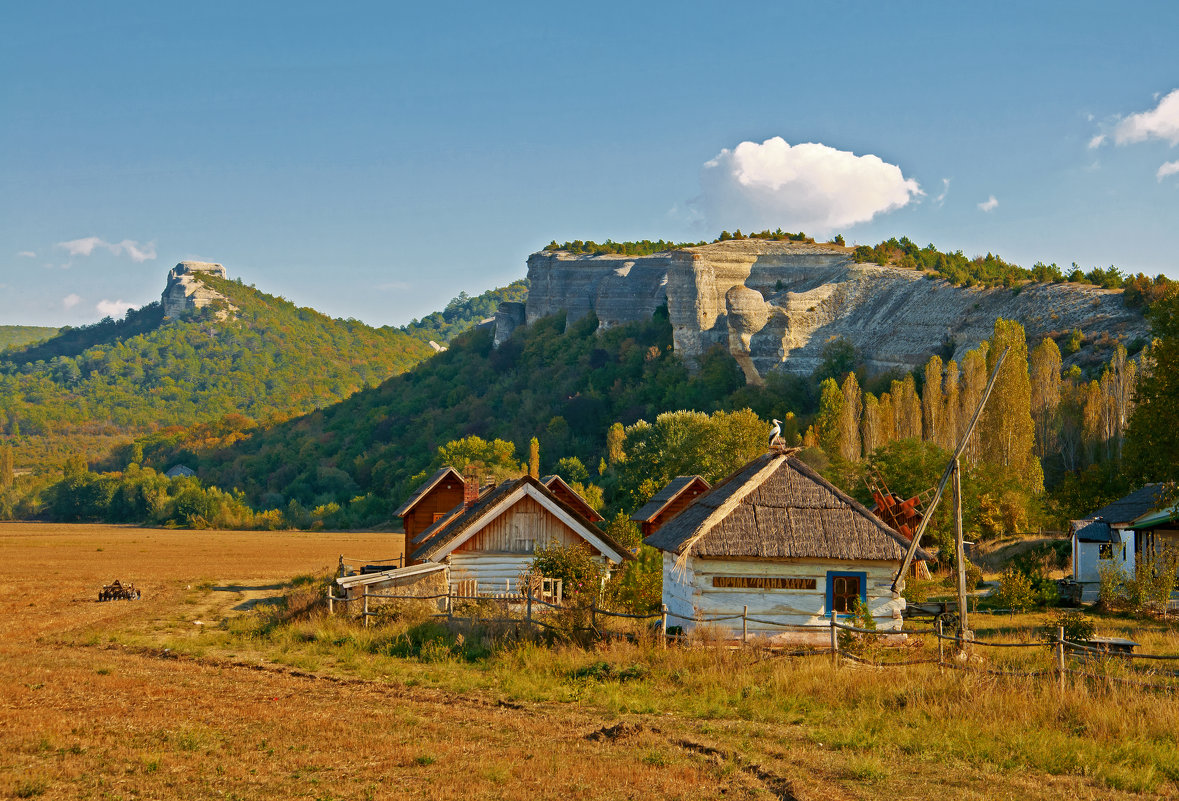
(253, 603)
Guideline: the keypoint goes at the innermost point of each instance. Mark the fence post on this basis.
(941, 645)
(528, 607)
(744, 625)
(449, 604)
(594, 617)
(1060, 655)
(331, 602)
(366, 607)
(663, 627)
(834, 641)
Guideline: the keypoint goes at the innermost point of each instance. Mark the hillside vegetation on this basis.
(270, 358)
(16, 336)
(464, 312)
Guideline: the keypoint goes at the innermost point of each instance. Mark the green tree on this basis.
(828, 424)
(1152, 439)
(496, 459)
(534, 457)
(849, 419)
(1008, 432)
(7, 473)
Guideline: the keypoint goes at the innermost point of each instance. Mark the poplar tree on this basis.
(1008, 433)
(950, 408)
(931, 401)
(827, 424)
(870, 424)
(7, 472)
(974, 381)
(909, 410)
(615, 437)
(888, 419)
(849, 419)
(1045, 376)
(534, 458)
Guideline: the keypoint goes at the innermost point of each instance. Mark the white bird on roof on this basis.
(776, 433)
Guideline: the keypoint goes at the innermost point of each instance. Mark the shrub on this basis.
(1077, 627)
(581, 576)
(1015, 590)
(857, 643)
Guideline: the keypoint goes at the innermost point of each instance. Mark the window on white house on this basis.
(845, 591)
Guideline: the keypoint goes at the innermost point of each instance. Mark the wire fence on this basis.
(1088, 662)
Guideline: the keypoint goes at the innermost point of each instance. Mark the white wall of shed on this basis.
(691, 593)
(494, 572)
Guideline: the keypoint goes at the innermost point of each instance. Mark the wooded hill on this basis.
(17, 336)
(565, 387)
(90, 386)
(464, 313)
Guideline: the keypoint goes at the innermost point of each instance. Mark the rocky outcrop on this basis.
(774, 305)
(184, 292)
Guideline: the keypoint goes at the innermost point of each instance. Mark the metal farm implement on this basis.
(116, 591)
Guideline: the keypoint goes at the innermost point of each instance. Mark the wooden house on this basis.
(1110, 533)
(438, 495)
(489, 542)
(669, 502)
(778, 538)
(558, 487)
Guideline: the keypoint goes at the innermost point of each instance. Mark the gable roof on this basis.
(651, 509)
(393, 575)
(422, 491)
(1091, 530)
(455, 529)
(1157, 518)
(1130, 507)
(777, 507)
(582, 505)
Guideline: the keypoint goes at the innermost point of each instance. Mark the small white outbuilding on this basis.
(778, 538)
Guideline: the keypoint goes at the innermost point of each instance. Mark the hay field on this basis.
(84, 717)
(131, 700)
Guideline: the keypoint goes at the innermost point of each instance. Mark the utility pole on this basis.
(964, 632)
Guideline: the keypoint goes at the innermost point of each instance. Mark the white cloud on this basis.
(113, 308)
(941, 198)
(990, 204)
(86, 245)
(1096, 141)
(27, 254)
(1168, 168)
(1161, 122)
(71, 300)
(809, 187)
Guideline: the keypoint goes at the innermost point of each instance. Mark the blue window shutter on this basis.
(832, 575)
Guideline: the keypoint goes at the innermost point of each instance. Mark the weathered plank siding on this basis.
(442, 498)
(693, 593)
(522, 528)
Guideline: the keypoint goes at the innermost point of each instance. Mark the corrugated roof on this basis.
(1131, 507)
(651, 509)
(777, 507)
(421, 491)
(453, 527)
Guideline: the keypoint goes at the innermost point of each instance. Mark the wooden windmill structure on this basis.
(902, 515)
(953, 471)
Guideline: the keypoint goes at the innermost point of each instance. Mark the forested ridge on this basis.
(17, 336)
(268, 359)
(463, 312)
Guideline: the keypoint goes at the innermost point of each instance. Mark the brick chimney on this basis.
(470, 487)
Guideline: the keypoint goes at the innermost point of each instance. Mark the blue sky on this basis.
(372, 160)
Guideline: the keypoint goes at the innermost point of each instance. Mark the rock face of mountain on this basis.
(774, 305)
(184, 292)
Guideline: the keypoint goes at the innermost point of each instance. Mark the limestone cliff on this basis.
(184, 292)
(774, 305)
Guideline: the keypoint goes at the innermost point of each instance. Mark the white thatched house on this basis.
(780, 539)
(489, 542)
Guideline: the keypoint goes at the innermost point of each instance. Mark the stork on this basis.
(776, 433)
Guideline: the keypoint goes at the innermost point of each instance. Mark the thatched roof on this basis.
(1135, 505)
(651, 509)
(777, 507)
(422, 491)
(458, 521)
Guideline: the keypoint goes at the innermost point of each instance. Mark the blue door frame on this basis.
(834, 574)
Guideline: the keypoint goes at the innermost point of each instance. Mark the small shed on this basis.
(179, 471)
(778, 538)
(1110, 533)
(419, 581)
(491, 541)
(558, 487)
(429, 502)
(669, 502)
(1158, 531)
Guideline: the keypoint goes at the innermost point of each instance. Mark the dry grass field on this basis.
(136, 700)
